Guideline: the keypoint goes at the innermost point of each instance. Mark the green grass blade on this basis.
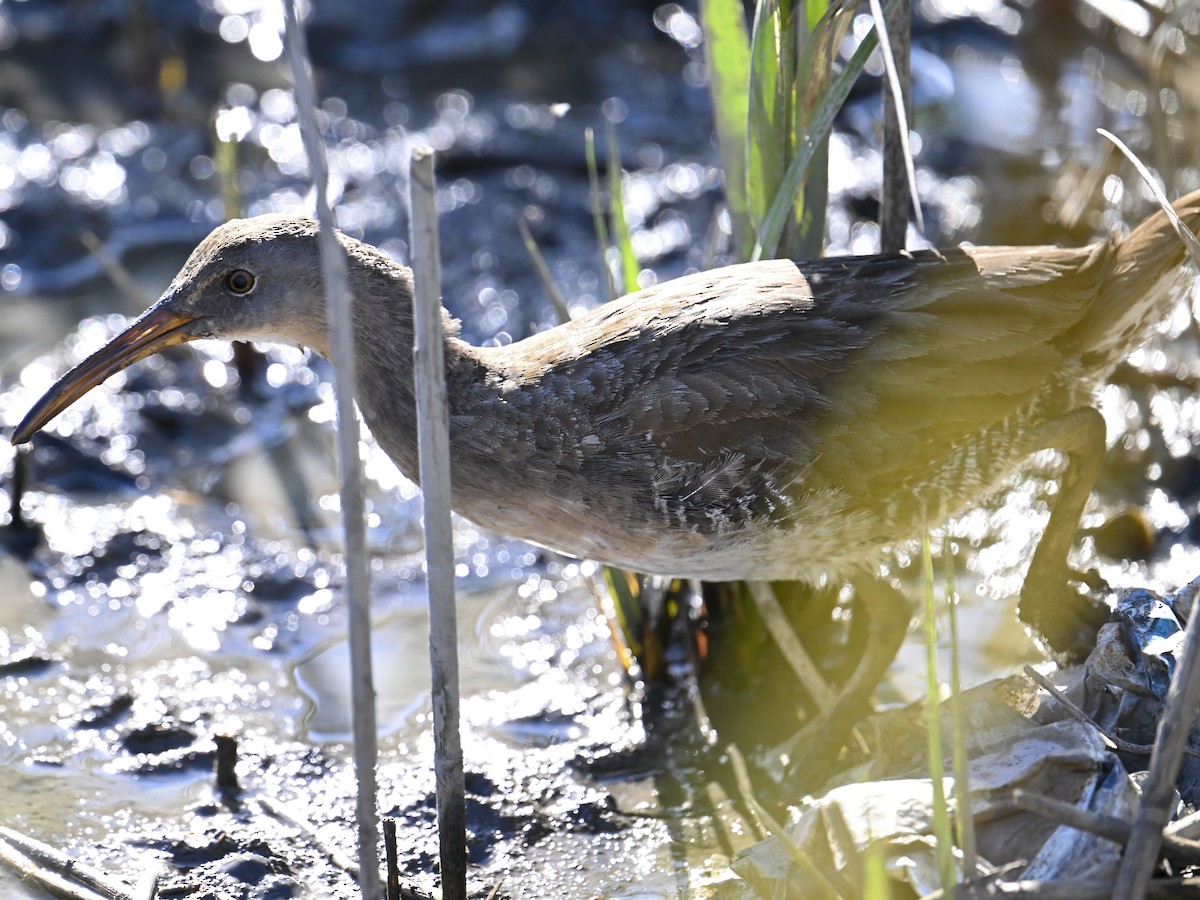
(727, 53)
(814, 11)
(942, 831)
(766, 129)
(817, 35)
(627, 610)
(629, 629)
(598, 222)
(877, 884)
(620, 228)
(964, 819)
(225, 161)
(822, 121)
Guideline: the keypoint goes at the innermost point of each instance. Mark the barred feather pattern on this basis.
(776, 419)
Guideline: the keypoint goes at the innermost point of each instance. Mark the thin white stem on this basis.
(433, 445)
(358, 578)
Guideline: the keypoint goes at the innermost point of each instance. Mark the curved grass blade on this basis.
(822, 121)
(1185, 234)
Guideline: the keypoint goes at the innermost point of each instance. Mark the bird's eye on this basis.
(239, 281)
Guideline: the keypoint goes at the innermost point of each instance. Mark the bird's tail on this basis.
(1140, 288)
(1154, 247)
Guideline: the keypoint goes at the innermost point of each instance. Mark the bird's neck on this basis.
(383, 347)
(384, 336)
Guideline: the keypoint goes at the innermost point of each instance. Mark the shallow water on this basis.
(178, 576)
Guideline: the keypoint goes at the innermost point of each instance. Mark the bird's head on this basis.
(253, 279)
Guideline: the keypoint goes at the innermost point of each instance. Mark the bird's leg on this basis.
(1066, 619)
(888, 613)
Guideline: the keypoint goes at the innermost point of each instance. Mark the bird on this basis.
(771, 420)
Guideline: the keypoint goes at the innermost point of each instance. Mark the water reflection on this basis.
(258, 23)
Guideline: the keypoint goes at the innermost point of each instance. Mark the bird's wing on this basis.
(880, 361)
(859, 373)
(738, 367)
(974, 341)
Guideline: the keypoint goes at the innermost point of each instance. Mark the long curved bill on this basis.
(160, 327)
